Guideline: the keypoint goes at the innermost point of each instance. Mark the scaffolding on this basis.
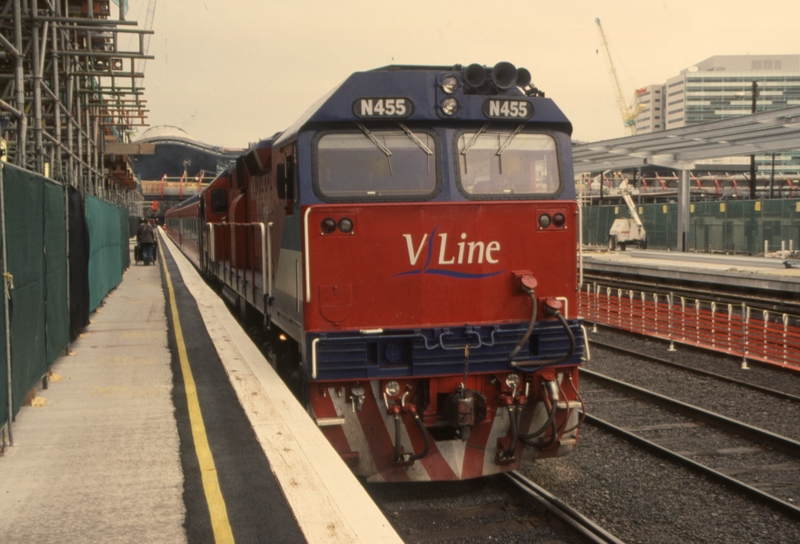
(609, 186)
(70, 94)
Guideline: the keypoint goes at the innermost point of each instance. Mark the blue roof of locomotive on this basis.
(419, 84)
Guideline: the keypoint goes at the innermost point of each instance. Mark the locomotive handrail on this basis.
(308, 255)
(314, 358)
(211, 246)
(246, 228)
(461, 346)
(269, 261)
(247, 264)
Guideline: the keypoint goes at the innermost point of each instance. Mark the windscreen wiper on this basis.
(504, 146)
(415, 139)
(471, 143)
(474, 139)
(379, 145)
(419, 143)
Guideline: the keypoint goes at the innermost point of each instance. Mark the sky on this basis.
(232, 72)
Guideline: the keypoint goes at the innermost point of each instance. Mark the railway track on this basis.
(761, 464)
(764, 396)
(582, 525)
(699, 371)
(506, 507)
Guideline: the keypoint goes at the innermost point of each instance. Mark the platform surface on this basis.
(765, 273)
(98, 460)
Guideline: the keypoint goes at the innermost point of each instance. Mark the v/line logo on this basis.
(464, 252)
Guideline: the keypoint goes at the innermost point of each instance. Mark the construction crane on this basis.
(628, 111)
(148, 25)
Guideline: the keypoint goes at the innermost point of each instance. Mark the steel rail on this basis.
(757, 494)
(774, 441)
(761, 388)
(577, 521)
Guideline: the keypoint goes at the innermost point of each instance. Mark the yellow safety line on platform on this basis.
(208, 471)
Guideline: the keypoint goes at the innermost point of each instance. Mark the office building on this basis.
(721, 87)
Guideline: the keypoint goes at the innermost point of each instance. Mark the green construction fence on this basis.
(35, 263)
(731, 226)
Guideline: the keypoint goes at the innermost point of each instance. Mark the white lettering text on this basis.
(442, 249)
(411, 255)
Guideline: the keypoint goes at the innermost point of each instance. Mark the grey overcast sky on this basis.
(231, 72)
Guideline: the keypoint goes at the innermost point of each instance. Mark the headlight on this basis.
(392, 389)
(449, 106)
(544, 220)
(512, 380)
(345, 225)
(449, 84)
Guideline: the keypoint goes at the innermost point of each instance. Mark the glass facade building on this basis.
(720, 87)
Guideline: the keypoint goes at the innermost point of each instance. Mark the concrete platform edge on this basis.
(328, 502)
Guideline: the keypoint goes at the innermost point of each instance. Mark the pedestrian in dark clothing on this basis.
(146, 238)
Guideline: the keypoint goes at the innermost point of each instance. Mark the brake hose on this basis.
(424, 432)
(550, 418)
(405, 457)
(522, 367)
(553, 435)
(532, 323)
(514, 432)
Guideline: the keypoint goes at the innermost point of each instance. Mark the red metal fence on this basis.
(753, 334)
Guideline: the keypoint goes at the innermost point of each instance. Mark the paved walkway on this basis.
(99, 460)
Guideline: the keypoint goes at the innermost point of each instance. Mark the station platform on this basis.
(164, 423)
(744, 272)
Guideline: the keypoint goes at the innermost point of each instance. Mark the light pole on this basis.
(754, 93)
(753, 96)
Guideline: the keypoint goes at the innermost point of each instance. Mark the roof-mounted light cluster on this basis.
(499, 79)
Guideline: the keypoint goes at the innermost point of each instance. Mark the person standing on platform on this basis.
(146, 239)
(154, 224)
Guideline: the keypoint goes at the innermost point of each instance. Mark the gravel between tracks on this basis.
(642, 498)
(749, 406)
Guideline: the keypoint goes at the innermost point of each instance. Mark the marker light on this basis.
(449, 84)
(559, 220)
(544, 220)
(392, 389)
(328, 225)
(345, 225)
(449, 106)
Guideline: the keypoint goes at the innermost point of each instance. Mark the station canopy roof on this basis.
(683, 148)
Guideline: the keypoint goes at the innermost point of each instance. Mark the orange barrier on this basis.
(759, 335)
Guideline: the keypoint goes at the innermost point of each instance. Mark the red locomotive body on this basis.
(410, 243)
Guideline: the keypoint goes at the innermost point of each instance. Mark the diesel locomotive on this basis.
(409, 245)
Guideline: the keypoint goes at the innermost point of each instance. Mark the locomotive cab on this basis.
(437, 240)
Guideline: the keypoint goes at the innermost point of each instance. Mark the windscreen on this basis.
(381, 165)
(507, 164)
